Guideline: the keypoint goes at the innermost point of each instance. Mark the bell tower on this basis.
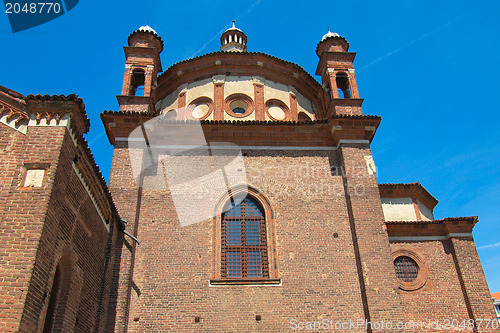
(337, 75)
(142, 65)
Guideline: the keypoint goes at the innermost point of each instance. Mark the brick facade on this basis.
(72, 262)
(62, 224)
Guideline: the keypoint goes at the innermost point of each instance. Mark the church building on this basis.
(242, 197)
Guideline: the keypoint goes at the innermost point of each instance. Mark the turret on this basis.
(142, 65)
(233, 40)
(337, 73)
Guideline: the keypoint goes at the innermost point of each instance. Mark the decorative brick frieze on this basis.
(13, 117)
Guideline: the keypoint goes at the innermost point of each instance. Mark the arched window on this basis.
(58, 299)
(137, 82)
(54, 295)
(343, 85)
(244, 241)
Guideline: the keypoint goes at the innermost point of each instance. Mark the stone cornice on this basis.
(353, 127)
(288, 133)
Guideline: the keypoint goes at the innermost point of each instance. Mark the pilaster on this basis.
(378, 283)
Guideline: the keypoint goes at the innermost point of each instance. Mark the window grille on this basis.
(244, 241)
(406, 268)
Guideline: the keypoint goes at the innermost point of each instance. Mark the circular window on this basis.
(277, 110)
(406, 268)
(200, 110)
(239, 105)
(411, 271)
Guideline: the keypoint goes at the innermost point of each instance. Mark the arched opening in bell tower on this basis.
(137, 82)
(343, 85)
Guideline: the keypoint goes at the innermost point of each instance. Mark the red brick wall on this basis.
(473, 282)
(15, 251)
(163, 283)
(450, 295)
(173, 264)
(441, 296)
(125, 192)
(379, 287)
(42, 227)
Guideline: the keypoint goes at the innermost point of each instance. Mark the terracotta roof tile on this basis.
(447, 219)
(12, 93)
(253, 122)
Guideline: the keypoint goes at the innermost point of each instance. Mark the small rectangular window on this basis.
(34, 178)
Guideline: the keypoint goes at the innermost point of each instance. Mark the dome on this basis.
(233, 28)
(329, 34)
(147, 28)
(145, 36)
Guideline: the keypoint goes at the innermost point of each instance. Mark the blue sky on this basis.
(429, 68)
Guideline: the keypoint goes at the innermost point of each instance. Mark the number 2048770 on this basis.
(32, 8)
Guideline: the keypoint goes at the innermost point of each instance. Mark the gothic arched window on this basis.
(244, 241)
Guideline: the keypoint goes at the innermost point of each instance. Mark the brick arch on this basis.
(279, 103)
(238, 96)
(196, 102)
(63, 305)
(242, 191)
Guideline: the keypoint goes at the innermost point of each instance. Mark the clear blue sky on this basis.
(429, 68)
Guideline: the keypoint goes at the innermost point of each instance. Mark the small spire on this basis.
(233, 24)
